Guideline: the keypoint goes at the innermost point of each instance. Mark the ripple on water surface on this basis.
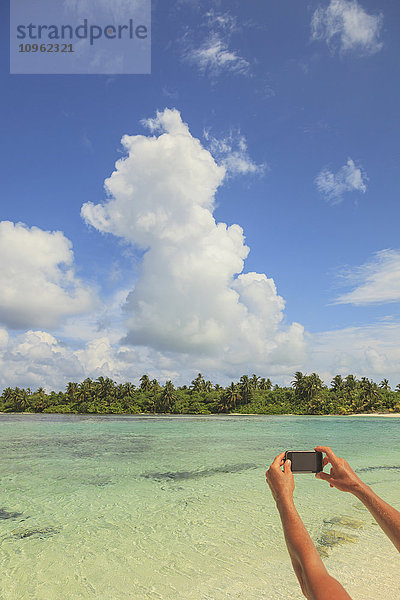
(177, 508)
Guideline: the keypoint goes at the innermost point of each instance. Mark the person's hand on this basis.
(280, 482)
(341, 475)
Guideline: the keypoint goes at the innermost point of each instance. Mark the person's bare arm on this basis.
(343, 478)
(314, 579)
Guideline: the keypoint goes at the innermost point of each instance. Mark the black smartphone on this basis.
(305, 462)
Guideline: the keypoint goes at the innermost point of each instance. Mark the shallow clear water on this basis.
(176, 508)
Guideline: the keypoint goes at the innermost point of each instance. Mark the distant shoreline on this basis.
(233, 414)
(373, 415)
(330, 415)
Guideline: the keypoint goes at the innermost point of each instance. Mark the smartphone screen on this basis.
(305, 462)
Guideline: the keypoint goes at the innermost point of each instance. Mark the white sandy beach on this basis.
(374, 415)
(396, 415)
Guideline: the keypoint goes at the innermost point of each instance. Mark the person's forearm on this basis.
(298, 541)
(314, 579)
(386, 516)
(299, 544)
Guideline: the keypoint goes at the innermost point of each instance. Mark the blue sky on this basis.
(293, 124)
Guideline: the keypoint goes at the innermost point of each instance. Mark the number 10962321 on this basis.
(45, 48)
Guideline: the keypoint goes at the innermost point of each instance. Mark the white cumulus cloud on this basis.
(345, 25)
(349, 178)
(192, 295)
(38, 285)
(371, 351)
(36, 358)
(376, 282)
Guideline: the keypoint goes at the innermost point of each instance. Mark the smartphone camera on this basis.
(305, 462)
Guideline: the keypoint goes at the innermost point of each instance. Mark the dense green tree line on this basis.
(306, 395)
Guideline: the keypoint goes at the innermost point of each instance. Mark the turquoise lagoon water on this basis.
(170, 508)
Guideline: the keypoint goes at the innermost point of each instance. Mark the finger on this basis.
(324, 476)
(278, 460)
(328, 451)
(287, 466)
(325, 461)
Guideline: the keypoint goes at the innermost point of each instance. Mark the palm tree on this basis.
(22, 399)
(254, 381)
(197, 384)
(129, 389)
(118, 393)
(265, 384)
(109, 389)
(313, 384)
(145, 384)
(155, 386)
(105, 389)
(384, 385)
(297, 383)
(41, 400)
(231, 396)
(207, 386)
(350, 383)
(369, 393)
(168, 396)
(10, 397)
(72, 391)
(85, 390)
(337, 384)
(223, 404)
(245, 389)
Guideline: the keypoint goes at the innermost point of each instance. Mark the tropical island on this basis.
(307, 395)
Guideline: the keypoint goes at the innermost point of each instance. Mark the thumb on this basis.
(286, 466)
(324, 476)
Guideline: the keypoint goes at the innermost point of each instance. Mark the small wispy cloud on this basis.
(213, 54)
(224, 21)
(170, 93)
(349, 178)
(87, 142)
(376, 282)
(231, 152)
(214, 57)
(346, 26)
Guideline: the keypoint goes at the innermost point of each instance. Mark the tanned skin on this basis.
(314, 579)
